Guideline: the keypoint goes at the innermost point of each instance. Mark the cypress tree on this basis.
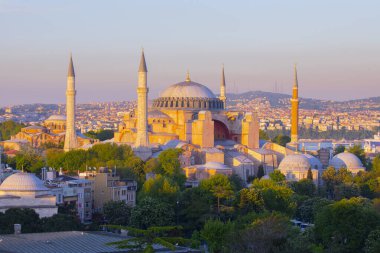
(260, 171)
(309, 174)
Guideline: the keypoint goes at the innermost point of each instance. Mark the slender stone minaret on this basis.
(70, 137)
(223, 89)
(294, 102)
(142, 105)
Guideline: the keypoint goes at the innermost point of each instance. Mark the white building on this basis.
(295, 167)
(108, 187)
(70, 190)
(25, 190)
(348, 161)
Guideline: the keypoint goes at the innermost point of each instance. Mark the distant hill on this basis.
(280, 100)
(371, 99)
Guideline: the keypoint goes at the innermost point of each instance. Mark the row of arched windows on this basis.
(189, 103)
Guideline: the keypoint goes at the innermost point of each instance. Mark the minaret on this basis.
(70, 137)
(142, 105)
(294, 102)
(223, 89)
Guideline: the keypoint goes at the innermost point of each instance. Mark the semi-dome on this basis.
(314, 162)
(57, 117)
(296, 161)
(188, 89)
(23, 182)
(156, 114)
(346, 160)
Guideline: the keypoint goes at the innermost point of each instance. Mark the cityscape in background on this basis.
(361, 115)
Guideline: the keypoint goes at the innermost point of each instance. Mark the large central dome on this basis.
(188, 89)
(188, 95)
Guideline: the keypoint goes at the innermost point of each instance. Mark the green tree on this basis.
(339, 149)
(55, 158)
(236, 182)
(169, 161)
(376, 164)
(136, 165)
(60, 222)
(372, 244)
(117, 212)
(28, 218)
(160, 187)
(339, 183)
(101, 134)
(74, 160)
(359, 152)
(151, 212)
(217, 235)
(308, 209)
(281, 140)
(153, 166)
(29, 159)
(309, 174)
(250, 200)
(304, 187)
(276, 197)
(106, 152)
(260, 171)
(268, 234)
(144, 239)
(277, 176)
(220, 187)
(171, 167)
(194, 208)
(263, 135)
(9, 128)
(345, 225)
(329, 178)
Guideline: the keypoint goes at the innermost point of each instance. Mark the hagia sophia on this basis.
(189, 116)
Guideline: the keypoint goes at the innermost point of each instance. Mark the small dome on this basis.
(156, 114)
(296, 161)
(188, 89)
(57, 117)
(346, 160)
(23, 182)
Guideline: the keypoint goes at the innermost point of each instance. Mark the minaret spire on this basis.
(142, 105)
(70, 136)
(188, 76)
(294, 102)
(71, 71)
(295, 84)
(223, 89)
(142, 67)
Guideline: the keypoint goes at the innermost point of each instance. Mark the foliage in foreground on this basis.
(143, 239)
(32, 223)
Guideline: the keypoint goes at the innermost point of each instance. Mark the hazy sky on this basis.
(336, 44)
